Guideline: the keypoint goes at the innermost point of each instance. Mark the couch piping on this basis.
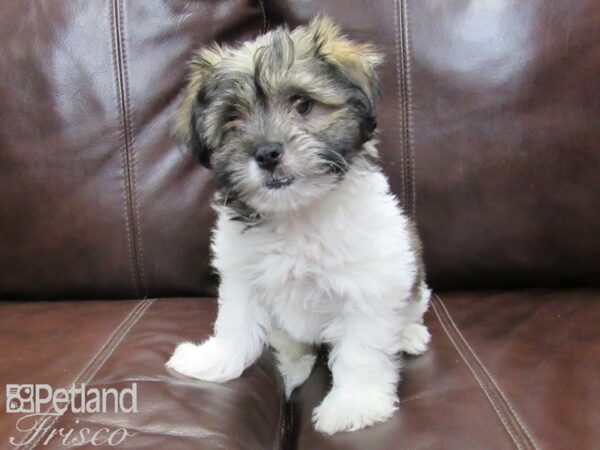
(409, 111)
(506, 413)
(127, 135)
(399, 88)
(401, 33)
(90, 370)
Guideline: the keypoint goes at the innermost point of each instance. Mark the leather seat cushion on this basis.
(115, 343)
(505, 369)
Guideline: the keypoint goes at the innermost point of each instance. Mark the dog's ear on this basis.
(357, 62)
(187, 124)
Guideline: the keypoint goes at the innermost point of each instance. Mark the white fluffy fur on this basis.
(339, 272)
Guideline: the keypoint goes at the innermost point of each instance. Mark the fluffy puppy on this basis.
(311, 246)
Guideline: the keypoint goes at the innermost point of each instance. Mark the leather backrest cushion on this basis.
(96, 198)
(490, 131)
(489, 134)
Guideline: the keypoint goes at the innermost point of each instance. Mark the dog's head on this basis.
(281, 119)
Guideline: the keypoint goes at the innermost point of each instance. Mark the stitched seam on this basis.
(411, 179)
(122, 140)
(515, 416)
(133, 165)
(106, 351)
(131, 211)
(399, 89)
(111, 336)
(476, 375)
(485, 377)
(404, 109)
(489, 384)
(98, 360)
(264, 15)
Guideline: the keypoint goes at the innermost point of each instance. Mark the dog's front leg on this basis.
(241, 331)
(365, 368)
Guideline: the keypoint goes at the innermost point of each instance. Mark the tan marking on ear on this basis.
(200, 64)
(359, 61)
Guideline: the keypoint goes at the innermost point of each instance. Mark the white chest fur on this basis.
(352, 250)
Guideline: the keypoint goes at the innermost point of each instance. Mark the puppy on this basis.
(310, 245)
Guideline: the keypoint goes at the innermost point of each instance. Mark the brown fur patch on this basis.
(358, 61)
(200, 65)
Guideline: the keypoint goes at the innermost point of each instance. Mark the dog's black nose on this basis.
(268, 155)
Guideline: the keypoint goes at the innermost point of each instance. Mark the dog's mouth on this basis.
(278, 181)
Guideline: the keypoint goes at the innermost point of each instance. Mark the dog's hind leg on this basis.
(415, 336)
(295, 359)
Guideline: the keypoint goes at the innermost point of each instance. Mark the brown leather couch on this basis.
(490, 134)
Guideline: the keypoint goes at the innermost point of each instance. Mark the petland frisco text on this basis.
(43, 406)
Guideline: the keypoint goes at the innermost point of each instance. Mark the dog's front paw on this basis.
(345, 410)
(208, 361)
(415, 339)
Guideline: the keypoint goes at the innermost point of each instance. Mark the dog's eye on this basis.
(302, 104)
(232, 116)
(233, 119)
